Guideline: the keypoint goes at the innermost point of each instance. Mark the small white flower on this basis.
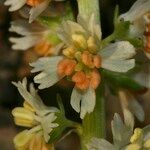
(37, 6)
(82, 40)
(33, 36)
(34, 114)
(121, 134)
(138, 15)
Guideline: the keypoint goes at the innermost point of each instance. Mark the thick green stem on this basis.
(94, 123)
(88, 7)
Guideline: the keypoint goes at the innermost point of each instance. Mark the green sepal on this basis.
(58, 132)
(120, 80)
(65, 125)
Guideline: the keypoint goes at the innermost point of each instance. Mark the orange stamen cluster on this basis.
(83, 81)
(81, 62)
(34, 3)
(43, 48)
(91, 61)
(66, 67)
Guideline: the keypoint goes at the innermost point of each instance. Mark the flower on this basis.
(37, 6)
(36, 36)
(124, 137)
(121, 134)
(82, 60)
(139, 16)
(35, 115)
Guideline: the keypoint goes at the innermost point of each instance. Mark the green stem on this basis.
(107, 40)
(88, 7)
(94, 123)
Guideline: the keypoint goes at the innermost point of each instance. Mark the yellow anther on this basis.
(137, 135)
(26, 105)
(147, 144)
(92, 47)
(22, 139)
(79, 41)
(23, 117)
(133, 147)
(69, 52)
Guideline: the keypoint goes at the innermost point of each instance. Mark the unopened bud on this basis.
(79, 41)
(92, 47)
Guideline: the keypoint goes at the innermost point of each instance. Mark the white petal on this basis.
(15, 4)
(100, 144)
(47, 64)
(33, 98)
(90, 25)
(47, 80)
(36, 11)
(24, 43)
(121, 133)
(48, 125)
(143, 76)
(118, 51)
(128, 118)
(88, 102)
(136, 109)
(139, 8)
(76, 97)
(118, 65)
(67, 29)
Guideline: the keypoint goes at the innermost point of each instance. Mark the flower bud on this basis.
(92, 47)
(23, 117)
(79, 41)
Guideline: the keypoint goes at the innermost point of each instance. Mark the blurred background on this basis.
(14, 66)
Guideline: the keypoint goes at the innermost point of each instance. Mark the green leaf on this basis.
(60, 104)
(119, 80)
(58, 132)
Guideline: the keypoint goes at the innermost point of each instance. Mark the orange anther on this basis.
(87, 59)
(95, 79)
(66, 67)
(42, 48)
(34, 3)
(97, 61)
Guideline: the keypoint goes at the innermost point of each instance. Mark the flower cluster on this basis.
(35, 115)
(40, 38)
(82, 57)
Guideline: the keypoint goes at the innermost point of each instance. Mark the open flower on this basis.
(139, 16)
(121, 134)
(82, 60)
(124, 137)
(38, 37)
(37, 6)
(35, 115)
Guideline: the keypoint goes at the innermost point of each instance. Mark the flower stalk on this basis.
(88, 7)
(93, 123)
